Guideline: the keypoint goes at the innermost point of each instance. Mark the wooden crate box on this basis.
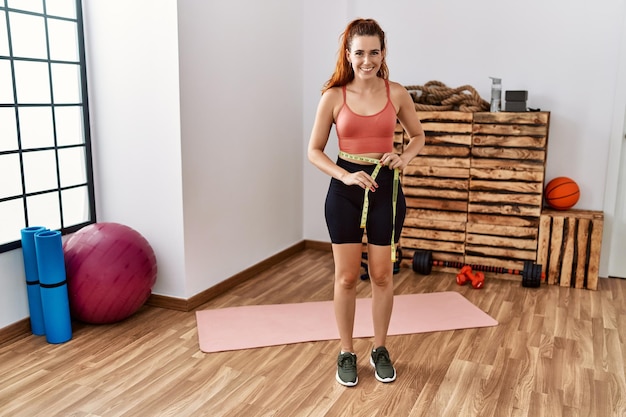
(505, 188)
(435, 185)
(475, 192)
(569, 247)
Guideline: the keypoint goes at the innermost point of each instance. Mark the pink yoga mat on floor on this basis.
(246, 327)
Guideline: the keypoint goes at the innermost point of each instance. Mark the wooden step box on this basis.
(569, 247)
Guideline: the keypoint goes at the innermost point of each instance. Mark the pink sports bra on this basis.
(366, 134)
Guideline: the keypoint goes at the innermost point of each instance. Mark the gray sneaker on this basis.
(346, 369)
(384, 370)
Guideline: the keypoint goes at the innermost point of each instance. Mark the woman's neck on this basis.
(368, 85)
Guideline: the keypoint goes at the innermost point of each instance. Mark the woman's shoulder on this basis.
(334, 91)
(395, 87)
(398, 91)
(400, 96)
(333, 94)
(331, 102)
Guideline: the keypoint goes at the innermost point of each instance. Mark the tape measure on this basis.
(396, 182)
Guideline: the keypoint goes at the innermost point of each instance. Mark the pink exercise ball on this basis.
(110, 270)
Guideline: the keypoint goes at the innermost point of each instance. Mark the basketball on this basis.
(562, 193)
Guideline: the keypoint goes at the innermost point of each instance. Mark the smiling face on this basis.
(365, 56)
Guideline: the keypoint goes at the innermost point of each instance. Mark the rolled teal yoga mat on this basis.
(53, 286)
(32, 279)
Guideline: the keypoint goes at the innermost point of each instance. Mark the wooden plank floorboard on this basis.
(557, 352)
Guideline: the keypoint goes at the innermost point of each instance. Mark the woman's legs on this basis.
(347, 270)
(347, 258)
(380, 270)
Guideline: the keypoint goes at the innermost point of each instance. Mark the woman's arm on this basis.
(319, 137)
(410, 122)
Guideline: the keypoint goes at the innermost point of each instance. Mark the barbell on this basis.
(531, 274)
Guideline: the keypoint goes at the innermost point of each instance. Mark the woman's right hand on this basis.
(361, 179)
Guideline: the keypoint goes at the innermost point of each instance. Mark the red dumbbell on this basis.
(466, 274)
(478, 280)
(463, 275)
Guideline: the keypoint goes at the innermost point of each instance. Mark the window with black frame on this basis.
(45, 154)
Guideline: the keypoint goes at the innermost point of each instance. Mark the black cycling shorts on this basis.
(344, 205)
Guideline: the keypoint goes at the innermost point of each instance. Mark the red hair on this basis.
(343, 70)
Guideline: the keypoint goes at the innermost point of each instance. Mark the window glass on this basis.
(46, 174)
(4, 38)
(72, 166)
(8, 129)
(43, 209)
(32, 82)
(66, 83)
(63, 40)
(6, 82)
(36, 127)
(75, 206)
(28, 35)
(12, 215)
(27, 5)
(62, 8)
(69, 125)
(11, 184)
(40, 171)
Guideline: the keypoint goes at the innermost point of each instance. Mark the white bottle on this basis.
(496, 94)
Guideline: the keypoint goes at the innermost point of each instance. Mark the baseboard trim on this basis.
(317, 245)
(22, 327)
(170, 303)
(14, 331)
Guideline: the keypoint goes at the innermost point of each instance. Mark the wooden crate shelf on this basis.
(475, 192)
(569, 247)
(506, 187)
(436, 187)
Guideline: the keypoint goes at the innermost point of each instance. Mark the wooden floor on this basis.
(557, 352)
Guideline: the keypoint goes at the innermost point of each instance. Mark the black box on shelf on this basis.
(515, 106)
(516, 95)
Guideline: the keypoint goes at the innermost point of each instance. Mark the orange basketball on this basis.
(562, 193)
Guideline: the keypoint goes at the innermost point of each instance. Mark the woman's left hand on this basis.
(393, 160)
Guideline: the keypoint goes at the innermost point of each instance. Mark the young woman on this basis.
(364, 106)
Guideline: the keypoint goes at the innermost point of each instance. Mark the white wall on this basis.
(132, 64)
(13, 297)
(615, 202)
(564, 53)
(241, 114)
(217, 185)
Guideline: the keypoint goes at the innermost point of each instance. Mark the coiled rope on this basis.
(436, 96)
